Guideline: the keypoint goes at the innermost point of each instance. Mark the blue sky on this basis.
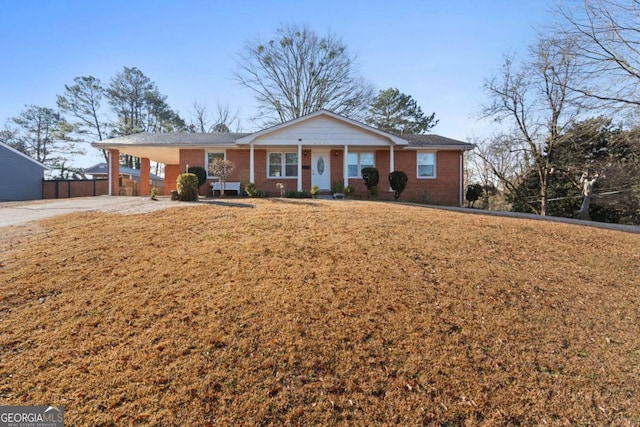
(439, 52)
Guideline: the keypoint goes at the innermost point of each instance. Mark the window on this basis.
(282, 165)
(359, 161)
(426, 165)
(210, 157)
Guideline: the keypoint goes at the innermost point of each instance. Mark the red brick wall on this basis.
(337, 167)
(306, 171)
(444, 189)
(145, 166)
(192, 158)
(171, 173)
(115, 172)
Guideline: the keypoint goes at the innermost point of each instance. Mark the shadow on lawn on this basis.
(227, 204)
(296, 201)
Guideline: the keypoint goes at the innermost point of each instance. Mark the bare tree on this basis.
(43, 134)
(497, 165)
(222, 169)
(533, 99)
(219, 121)
(10, 137)
(225, 119)
(300, 72)
(607, 48)
(201, 118)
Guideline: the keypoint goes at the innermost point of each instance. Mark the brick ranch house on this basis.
(319, 148)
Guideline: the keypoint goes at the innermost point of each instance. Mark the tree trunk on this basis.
(583, 213)
(543, 200)
(587, 190)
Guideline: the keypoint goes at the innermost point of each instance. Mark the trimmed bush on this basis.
(371, 178)
(187, 187)
(474, 192)
(252, 191)
(337, 186)
(296, 195)
(398, 182)
(200, 172)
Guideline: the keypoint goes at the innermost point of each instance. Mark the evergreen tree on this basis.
(395, 112)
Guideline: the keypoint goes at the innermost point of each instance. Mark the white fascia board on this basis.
(439, 148)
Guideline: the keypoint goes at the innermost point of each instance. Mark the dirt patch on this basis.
(321, 313)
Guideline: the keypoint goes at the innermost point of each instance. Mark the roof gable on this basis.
(314, 126)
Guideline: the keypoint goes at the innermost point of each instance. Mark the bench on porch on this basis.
(228, 186)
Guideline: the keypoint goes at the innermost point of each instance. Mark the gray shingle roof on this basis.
(174, 139)
(432, 140)
(187, 139)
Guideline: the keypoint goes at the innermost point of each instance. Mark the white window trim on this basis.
(359, 165)
(283, 165)
(206, 161)
(435, 164)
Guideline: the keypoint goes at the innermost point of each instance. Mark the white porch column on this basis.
(392, 162)
(110, 158)
(252, 177)
(345, 166)
(299, 167)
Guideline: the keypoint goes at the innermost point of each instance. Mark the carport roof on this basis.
(173, 139)
(165, 147)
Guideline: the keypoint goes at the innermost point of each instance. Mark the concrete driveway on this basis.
(19, 213)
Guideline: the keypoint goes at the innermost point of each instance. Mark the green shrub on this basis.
(296, 195)
(337, 186)
(200, 172)
(187, 187)
(474, 191)
(371, 178)
(315, 190)
(251, 189)
(398, 182)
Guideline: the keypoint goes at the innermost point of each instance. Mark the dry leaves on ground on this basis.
(319, 312)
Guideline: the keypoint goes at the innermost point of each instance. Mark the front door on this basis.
(321, 169)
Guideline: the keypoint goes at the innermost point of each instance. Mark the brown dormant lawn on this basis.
(304, 312)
